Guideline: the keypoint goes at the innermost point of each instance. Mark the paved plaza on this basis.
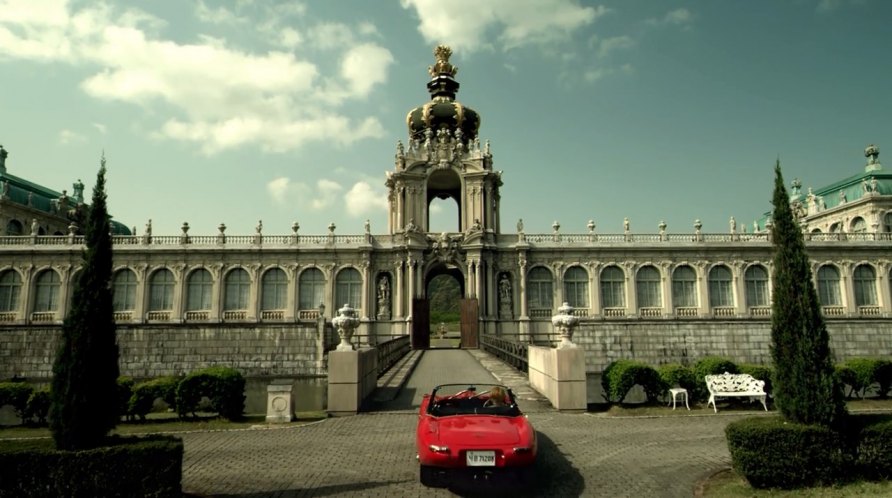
(373, 453)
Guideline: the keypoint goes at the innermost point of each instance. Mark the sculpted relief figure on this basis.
(506, 308)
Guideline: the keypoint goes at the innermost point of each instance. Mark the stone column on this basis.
(846, 288)
(631, 296)
(179, 301)
(666, 288)
(66, 287)
(702, 288)
(595, 286)
(139, 299)
(291, 294)
(216, 312)
(398, 298)
(367, 289)
(738, 269)
(477, 283)
(28, 293)
(254, 291)
(522, 285)
(883, 284)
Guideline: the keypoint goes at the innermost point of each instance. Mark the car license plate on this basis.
(481, 458)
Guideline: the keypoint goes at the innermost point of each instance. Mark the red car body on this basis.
(461, 432)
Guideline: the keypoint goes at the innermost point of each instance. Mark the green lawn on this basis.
(727, 484)
(169, 423)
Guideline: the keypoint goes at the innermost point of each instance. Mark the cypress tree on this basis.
(84, 402)
(805, 387)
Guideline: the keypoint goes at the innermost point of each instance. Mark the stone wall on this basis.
(658, 343)
(156, 350)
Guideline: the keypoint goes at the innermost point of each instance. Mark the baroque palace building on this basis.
(263, 303)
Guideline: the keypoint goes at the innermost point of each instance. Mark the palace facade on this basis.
(263, 302)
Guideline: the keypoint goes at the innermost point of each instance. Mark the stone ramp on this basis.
(403, 387)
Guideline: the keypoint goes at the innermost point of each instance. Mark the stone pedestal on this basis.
(352, 375)
(280, 400)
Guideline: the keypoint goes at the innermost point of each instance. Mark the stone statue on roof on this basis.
(78, 187)
(3, 155)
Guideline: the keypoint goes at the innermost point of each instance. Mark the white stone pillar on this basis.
(216, 312)
(411, 291)
(179, 301)
(847, 289)
(631, 296)
(253, 293)
(398, 297)
(139, 298)
(522, 285)
(738, 269)
(367, 289)
(702, 289)
(666, 289)
(477, 287)
(26, 301)
(65, 289)
(595, 286)
(883, 298)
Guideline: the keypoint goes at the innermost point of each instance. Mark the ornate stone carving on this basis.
(383, 297)
(506, 297)
(565, 323)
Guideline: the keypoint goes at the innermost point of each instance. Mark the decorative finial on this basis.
(796, 186)
(3, 155)
(442, 53)
(872, 153)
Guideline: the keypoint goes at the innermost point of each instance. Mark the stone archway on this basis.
(444, 287)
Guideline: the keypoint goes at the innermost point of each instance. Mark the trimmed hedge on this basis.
(875, 448)
(145, 394)
(16, 394)
(38, 406)
(125, 390)
(225, 387)
(620, 376)
(884, 377)
(773, 453)
(151, 466)
(676, 374)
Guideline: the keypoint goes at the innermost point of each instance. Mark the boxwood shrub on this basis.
(676, 374)
(145, 394)
(884, 377)
(16, 394)
(620, 376)
(861, 374)
(225, 387)
(874, 448)
(38, 406)
(150, 466)
(125, 390)
(773, 453)
(846, 377)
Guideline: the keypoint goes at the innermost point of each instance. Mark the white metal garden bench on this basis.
(727, 385)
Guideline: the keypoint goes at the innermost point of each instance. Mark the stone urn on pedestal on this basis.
(564, 322)
(346, 322)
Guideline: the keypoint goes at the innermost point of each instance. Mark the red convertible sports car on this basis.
(476, 431)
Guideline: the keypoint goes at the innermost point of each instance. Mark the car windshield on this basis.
(472, 399)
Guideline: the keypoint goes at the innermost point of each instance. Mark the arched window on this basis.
(756, 279)
(858, 225)
(161, 290)
(684, 287)
(274, 289)
(648, 287)
(540, 295)
(576, 287)
(14, 227)
(836, 228)
(199, 289)
(828, 286)
(720, 287)
(865, 279)
(46, 296)
(613, 287)
(10, 289)
(124, 290)
(238, 288)
(348, 288)
(815, 230)
(887, 222)
(312, 288)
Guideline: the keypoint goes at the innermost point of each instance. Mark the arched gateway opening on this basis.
(444, 318)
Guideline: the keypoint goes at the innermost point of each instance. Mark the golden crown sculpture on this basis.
(442, 53)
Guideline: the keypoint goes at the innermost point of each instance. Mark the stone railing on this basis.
(540, 313)
(650, 312)
(580, 312)
(308, 314)
(760, 311)
(615, 312)
(833, 310)
(724, 311)
(389, 352)
(7, 317)
(122, 316)
(197, 315)
(546, 239)
(687, 312)
(158, 316)
(869, 310)
(514, 353)
(43, 316)
(238, 315)
(272, 315)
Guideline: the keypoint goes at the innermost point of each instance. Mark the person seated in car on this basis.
(497, 397)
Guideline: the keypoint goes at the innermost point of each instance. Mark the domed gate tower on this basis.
(444, 159)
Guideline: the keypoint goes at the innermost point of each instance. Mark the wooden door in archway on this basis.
(469, 320)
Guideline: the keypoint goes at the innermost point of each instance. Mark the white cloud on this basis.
(101, 128)
(361, 199)
(326, 193)
(609, 45)
(69, 137)
(278, 189)
(283, 191)
(465, 24)
(205, 92)
(677, 17)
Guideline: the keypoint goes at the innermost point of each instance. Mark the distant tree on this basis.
(84, 390)
(805, 387)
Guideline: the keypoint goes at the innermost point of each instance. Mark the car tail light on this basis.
(521, 450)
(438, 449)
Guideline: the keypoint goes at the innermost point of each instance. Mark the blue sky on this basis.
(243, 110)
